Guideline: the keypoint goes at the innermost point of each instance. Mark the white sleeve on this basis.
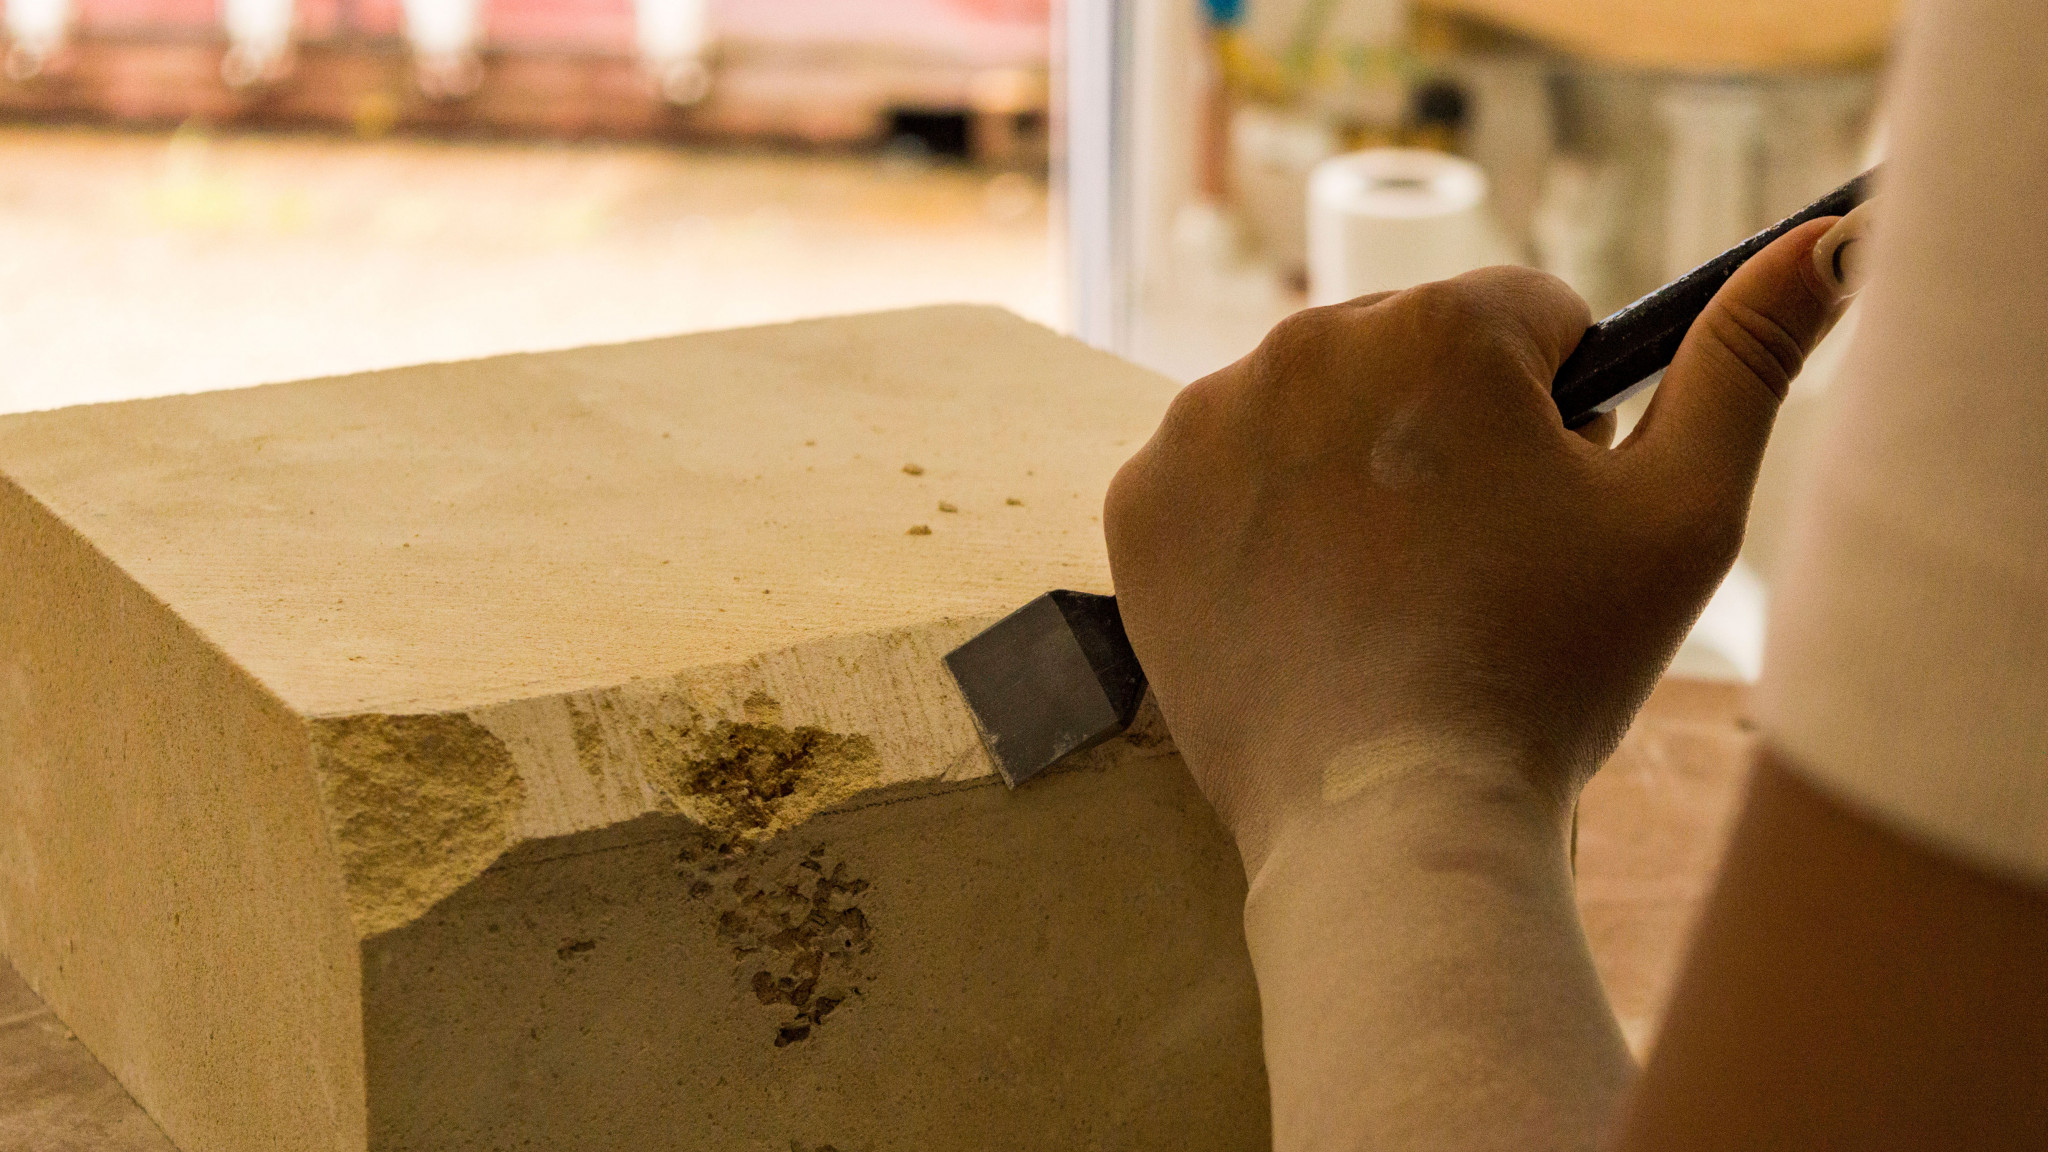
(1907, 669)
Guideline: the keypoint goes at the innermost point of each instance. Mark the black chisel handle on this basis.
(1617, 357)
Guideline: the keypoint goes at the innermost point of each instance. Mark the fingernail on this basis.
(1842, 253)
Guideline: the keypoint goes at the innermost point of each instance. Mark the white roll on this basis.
(1393, 217)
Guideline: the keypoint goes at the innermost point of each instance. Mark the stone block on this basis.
(552, 751)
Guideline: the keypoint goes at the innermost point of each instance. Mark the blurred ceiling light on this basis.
(259, 41)
(35, 30)
(673, 35)
(443, 34)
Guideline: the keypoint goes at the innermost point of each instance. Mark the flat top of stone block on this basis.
(452, 535)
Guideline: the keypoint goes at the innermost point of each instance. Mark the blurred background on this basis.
(203, 194)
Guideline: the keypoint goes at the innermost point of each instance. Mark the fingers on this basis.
(1704, 434)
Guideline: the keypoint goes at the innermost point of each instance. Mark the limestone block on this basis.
(552, 752)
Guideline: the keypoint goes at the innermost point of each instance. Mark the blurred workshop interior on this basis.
(201, 194)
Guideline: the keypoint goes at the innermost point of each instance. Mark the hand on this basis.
(1369, 556)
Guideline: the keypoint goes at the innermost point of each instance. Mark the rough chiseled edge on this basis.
(417, 806)
(420, 804)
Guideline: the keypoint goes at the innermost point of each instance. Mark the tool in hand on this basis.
(1058, 676)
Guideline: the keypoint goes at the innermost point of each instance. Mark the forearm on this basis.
(1424, 977)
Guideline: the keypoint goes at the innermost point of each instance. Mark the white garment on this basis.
(1908, 663)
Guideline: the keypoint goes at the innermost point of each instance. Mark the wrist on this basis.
(1399, 794)
(1426, 930)
(1416, 865)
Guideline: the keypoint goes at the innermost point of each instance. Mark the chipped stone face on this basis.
(417, 805)
(749, 778)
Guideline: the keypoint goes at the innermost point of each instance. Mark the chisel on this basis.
(1058, 676)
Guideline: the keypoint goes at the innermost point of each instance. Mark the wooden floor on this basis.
(1652, 827)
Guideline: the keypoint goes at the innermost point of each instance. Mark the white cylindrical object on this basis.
(36, 29)
(259, 34)
(1390, 218)
(444, 35)
(670, 30)
(441, 28)
(673, 36)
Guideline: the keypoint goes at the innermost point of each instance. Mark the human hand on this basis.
(1369, 556)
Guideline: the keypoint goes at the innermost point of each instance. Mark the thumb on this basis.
(1705, 430)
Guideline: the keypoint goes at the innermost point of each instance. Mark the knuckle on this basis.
(1304, 357)
(1718, 544)
(1547, 296)
(1301, 334)
(1503, 325)
(1461, 319)
(1132, 513)
(1446, 305)
(1534, 281)
(1121, 505)
(1195, 422)
(1192, 412)
(1521, 281)
(1462, 331)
